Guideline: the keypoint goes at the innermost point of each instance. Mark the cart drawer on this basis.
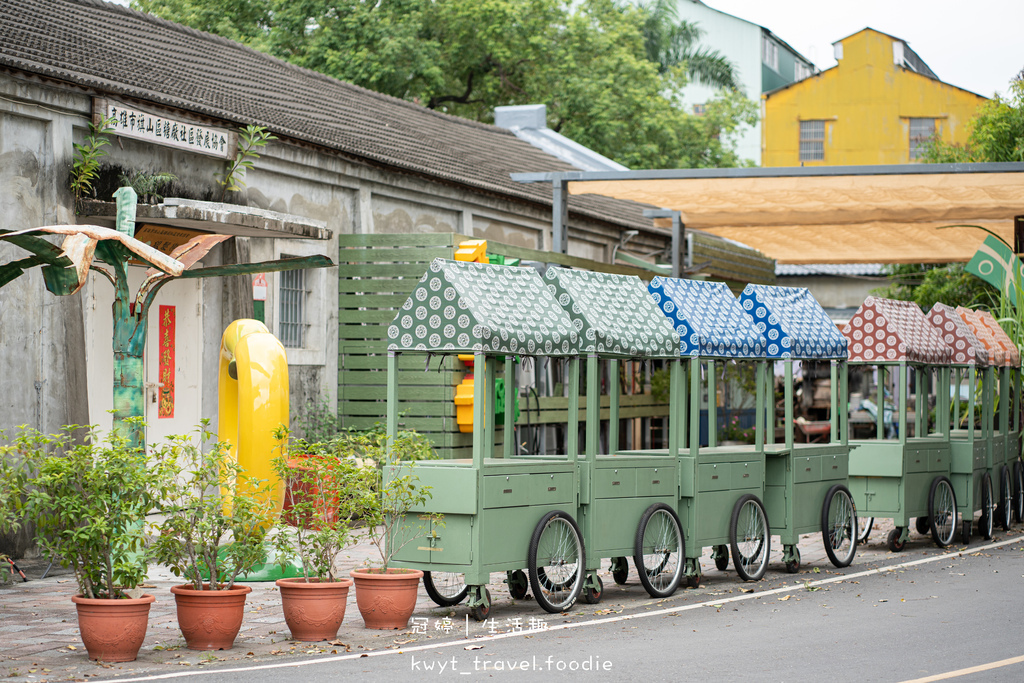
(615, 482)
(806, 468)
(450, 541)
(747, 475)
(546, 489)
(835, 467)
(655, 481)
(504, 491)
(714, 477)
(938, 461)
(917, 460)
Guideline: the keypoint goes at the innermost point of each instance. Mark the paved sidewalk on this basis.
(39, 638)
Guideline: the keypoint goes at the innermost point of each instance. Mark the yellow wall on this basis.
(866, 102)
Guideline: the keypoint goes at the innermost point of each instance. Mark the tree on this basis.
(671, 42)
(997, 132)
(926, 284)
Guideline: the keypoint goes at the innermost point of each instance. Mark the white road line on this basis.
(592, 622)
(969, 670)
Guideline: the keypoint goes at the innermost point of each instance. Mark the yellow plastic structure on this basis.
(464, 397)
(472, 250)
(253, 393)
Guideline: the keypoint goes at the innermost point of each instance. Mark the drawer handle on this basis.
(714, 476)
(656, 481)
(507, 491)
(808, 469)
(552, 488)
(615, 483)
(746, 474)
(835, 467)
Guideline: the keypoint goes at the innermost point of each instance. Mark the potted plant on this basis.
(386, 595)
(323, 484)
(88, 500)
(215, 524)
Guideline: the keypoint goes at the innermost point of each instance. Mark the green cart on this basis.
(500, 514)
(906, 477)
(720, 486)
(805, 483)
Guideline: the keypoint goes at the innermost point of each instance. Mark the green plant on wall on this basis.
(147, 185)
(250, 139)
(86, 163)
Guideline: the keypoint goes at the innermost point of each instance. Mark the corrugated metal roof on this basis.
(836, 269)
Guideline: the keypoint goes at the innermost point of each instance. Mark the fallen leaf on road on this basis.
(473, 647)
(787, 597)
(403, 642)
(746, 590)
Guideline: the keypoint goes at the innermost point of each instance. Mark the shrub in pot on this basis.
(386, 595)
(215, 525)
(88, 501)
(323, 485)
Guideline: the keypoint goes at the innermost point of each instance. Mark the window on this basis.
(921, 133)
(292, 308)
(801, 71)
(812, 141)
(699, 109)
(769, 52)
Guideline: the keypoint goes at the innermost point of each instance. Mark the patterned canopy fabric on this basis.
(793, 323)
(707, 318)
(967, 348)
(462, 307)
(613, 314)
(1001, 349)
(885, 330)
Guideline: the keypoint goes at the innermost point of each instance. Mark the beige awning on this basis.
(881, 214)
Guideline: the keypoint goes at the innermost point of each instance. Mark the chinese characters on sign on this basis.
(135, 123)
(166, 345)
(493, 626)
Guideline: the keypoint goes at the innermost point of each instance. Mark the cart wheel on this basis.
(1018, 490)
(481, 612)
(445, 588)
(591, 595)
(839, 526)
(722, 557)
(620, 571)
(556, 560)
(660, 552)
(864, 525)
(793, 565)
(987, 521)
(965, 532)
(750, 538)
(1005, 499)
(518, 584)
(942, 511)
(893, 539)
(693, 581)
(923, 526)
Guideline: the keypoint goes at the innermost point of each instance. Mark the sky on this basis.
(974, 45)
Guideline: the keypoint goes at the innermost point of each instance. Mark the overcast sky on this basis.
(976, 45)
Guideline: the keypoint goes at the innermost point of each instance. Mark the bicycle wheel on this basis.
(942, 511)
(1018, 490)
(1005, 499)
(556, 562)
(864, 525)
(445, 588)
(839, 526)
(749, 538)
(987, 521)
(660, 553)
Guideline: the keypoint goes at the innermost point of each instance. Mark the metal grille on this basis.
(292, 309)
(921, 132)
(812, 141)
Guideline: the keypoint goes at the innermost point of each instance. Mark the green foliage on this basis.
(321, 432)
(88, 502)
(250, 139)
(733, 432)
(207, 501)
(608, 71)
(997, 132)
(147, 185)
(926, 284)
(85, 165)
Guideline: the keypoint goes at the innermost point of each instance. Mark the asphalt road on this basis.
(916, 618)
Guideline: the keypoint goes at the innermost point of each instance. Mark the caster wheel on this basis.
(620, 571)
(591, 595)
(923, 526)
(693, 581)
(965, 533)
(481, 612)
(793, 565)
(722, 558)
(518, 584)
(894, 542)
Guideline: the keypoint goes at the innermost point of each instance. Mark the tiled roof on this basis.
(837, 269)
(114, 50)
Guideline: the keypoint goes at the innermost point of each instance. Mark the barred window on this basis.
(770, 53)
(812, 141)
(921, 132)
(801, 71)
(292, 309)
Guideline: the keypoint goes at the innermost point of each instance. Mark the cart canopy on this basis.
(958, 335)
(613, 314)
(707, 318)
(793, 323)
(463, 307)
(1001, 349)
(886, 330)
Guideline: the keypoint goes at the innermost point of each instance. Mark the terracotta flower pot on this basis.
(113, 630)
(386, 601)
(314, 611)
(297, 490)
(210, 620)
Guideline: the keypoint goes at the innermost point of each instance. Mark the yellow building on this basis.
(879, 105)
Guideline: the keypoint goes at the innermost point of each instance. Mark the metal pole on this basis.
(759, 414)
(559, 216)
(712, 405)
(880, 417)
(613, 405)
(834, 399)
(695, 389)
(674, 398)
(593, 407)
(904, 380)
(510, 447)
(480, 363)
(392, 410)
(788, 392)
(573, 384)
(845, 402)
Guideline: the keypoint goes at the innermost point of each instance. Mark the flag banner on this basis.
(995, 263)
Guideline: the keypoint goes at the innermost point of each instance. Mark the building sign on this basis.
(167, 325)
(259, 287)
(132, 122)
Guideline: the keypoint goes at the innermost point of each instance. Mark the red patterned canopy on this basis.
(1001, 349)
(886, 330)
(967, 349)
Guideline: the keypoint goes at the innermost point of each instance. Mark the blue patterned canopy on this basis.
(793, 323)
(707, 318)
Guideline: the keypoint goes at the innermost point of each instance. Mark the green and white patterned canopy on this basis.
(614, 314)
(462, 307)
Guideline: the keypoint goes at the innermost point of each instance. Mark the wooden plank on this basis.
(412, 408)
(426, 425)
(358, 378)
(427, 239)
(349, 315)
(365, 332)
(354, 301)
(437, 394)
(412, 362)
(378, 285)
(390, 270)
(398, 255)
